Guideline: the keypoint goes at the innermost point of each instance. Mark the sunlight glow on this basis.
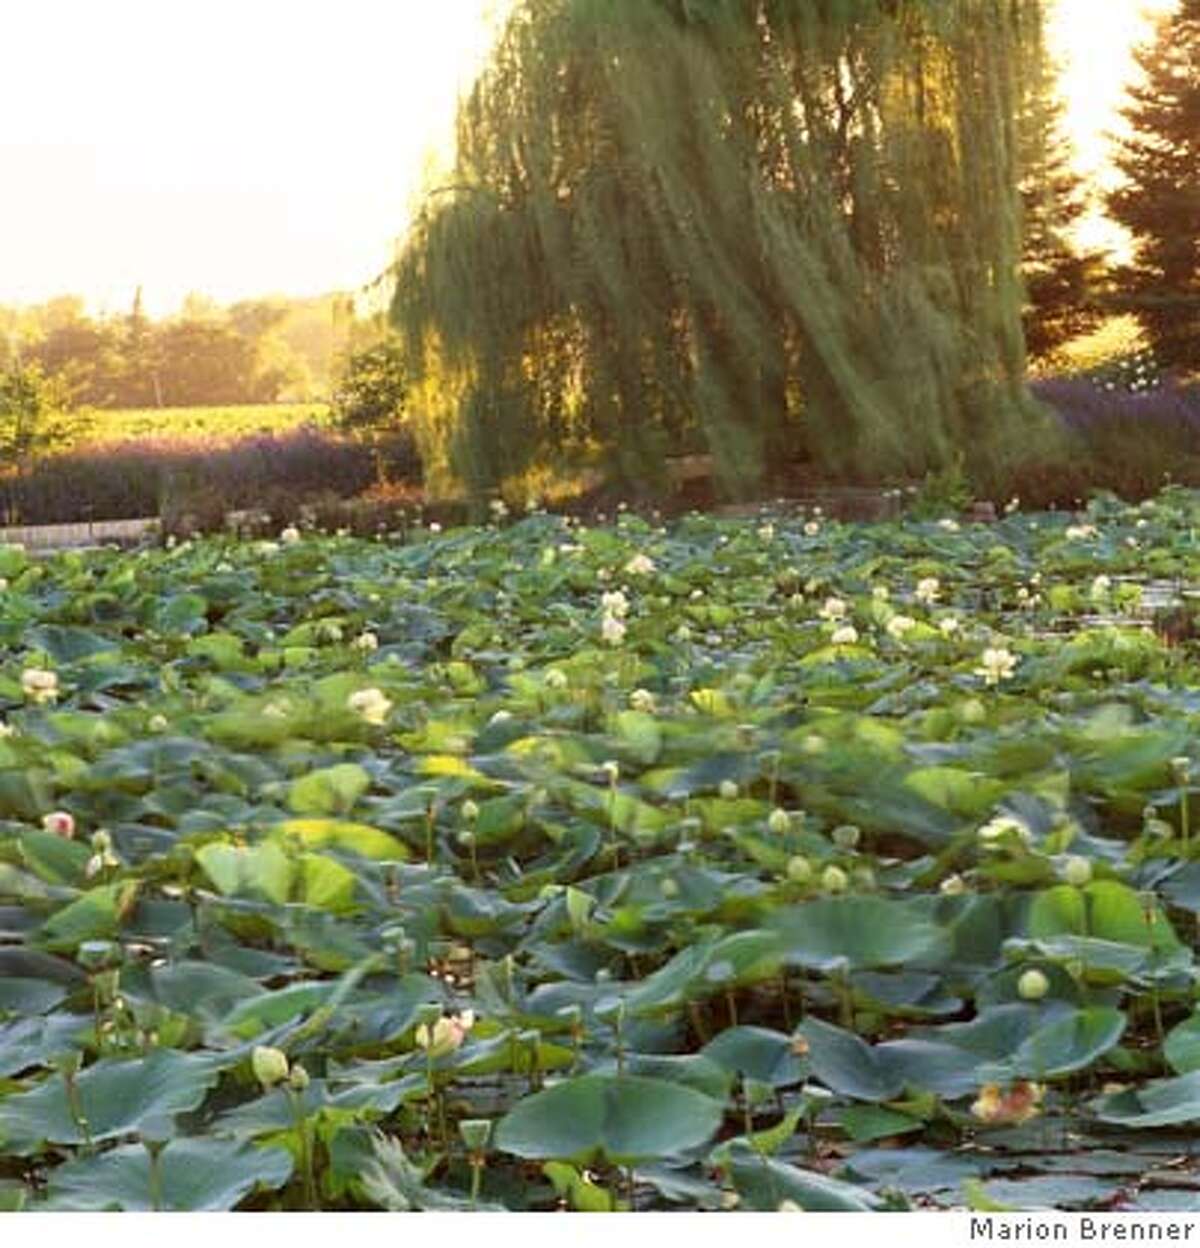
(1094, 42)
(235, 147)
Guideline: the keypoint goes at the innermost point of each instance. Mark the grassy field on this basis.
(202, 424)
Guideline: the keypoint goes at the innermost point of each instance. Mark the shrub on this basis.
(369, 393)
(1121, 439)
(165, 477)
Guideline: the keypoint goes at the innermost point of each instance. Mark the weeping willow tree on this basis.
(768, 228)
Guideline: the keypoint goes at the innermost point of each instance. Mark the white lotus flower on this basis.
(612, 630)
(366, 641)
(640, 565)
(898, 625)
(1003, 826)
(929, 589)
(614, 603)
(847, 635)
(371, 704)
(996, 665)
(446, 1035)
(290, 536)
(832, 609)
(39, 685)
(643, 700)
(948, 625)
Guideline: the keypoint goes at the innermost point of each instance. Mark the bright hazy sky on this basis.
(1093, 41)
(242, 147)
(235, 147)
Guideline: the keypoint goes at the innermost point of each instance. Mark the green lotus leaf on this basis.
(620, 1118)
(190, 1176)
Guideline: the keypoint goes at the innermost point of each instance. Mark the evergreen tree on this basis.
(1159, 202)
(1060, 276)
(766, 227)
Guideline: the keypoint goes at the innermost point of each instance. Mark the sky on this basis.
(1093, 42)
(245, 147)
(234, 147)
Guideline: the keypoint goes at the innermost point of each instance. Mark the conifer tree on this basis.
(1159, 202)
(1061, 277)
(758, 226)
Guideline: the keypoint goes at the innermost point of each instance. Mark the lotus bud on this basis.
(298, 1079)
(799, 869)
(270, 1065)
(728, 789)
(779, 821)
(1033, 985)
(846, 836)
(469, 811)
(1077, 871)
(833, 880)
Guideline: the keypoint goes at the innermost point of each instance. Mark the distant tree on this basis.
(205, 361)
(35, 416)
(140, 382)
(369, 391)
(256, 318)
(279, 370)
(1159, 201)
(309, 331)
(85, 357)
(1060, 276)
(197, 306)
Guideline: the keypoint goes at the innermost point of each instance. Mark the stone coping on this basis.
(85, 533)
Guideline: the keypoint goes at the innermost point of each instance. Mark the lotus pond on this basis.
(740, 864)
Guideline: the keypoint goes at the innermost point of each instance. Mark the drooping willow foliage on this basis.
(767, 228)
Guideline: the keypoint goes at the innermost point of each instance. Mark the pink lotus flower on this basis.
(61, 823)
